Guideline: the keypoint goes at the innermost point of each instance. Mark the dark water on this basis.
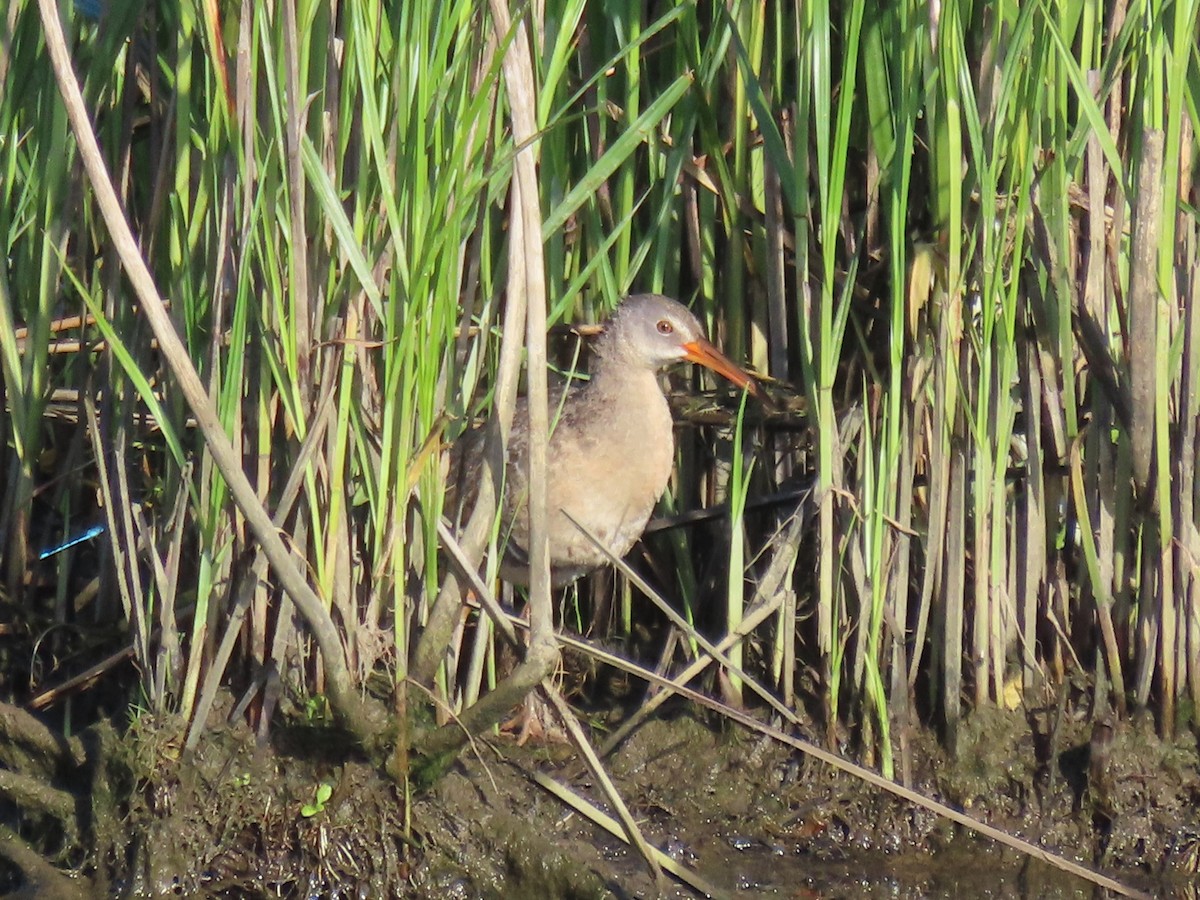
(968, 868)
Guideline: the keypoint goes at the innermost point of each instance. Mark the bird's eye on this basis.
(665, 327)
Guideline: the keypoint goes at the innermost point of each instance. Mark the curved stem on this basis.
(362, 720)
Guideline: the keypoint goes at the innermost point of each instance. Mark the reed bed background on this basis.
(961, 238)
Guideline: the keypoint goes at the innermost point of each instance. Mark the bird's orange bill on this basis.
(703, 352)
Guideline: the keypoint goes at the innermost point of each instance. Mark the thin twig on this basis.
(613, 827)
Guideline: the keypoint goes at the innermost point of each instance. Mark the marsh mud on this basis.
(304, 817)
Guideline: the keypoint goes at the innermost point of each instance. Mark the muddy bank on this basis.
(751, 817)
(305, 817)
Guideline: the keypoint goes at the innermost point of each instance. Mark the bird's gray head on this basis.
(649, 331)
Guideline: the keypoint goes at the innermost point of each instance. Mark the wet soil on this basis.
(235, 819)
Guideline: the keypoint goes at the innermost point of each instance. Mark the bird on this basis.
(611, 446)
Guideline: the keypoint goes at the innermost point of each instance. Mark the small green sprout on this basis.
(320, 797)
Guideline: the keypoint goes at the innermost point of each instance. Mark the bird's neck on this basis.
(615, 379)
(620, 396)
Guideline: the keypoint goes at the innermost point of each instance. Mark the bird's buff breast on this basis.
(607, 477)
(617, 498)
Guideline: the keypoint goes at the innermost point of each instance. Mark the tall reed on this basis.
(963, 233)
